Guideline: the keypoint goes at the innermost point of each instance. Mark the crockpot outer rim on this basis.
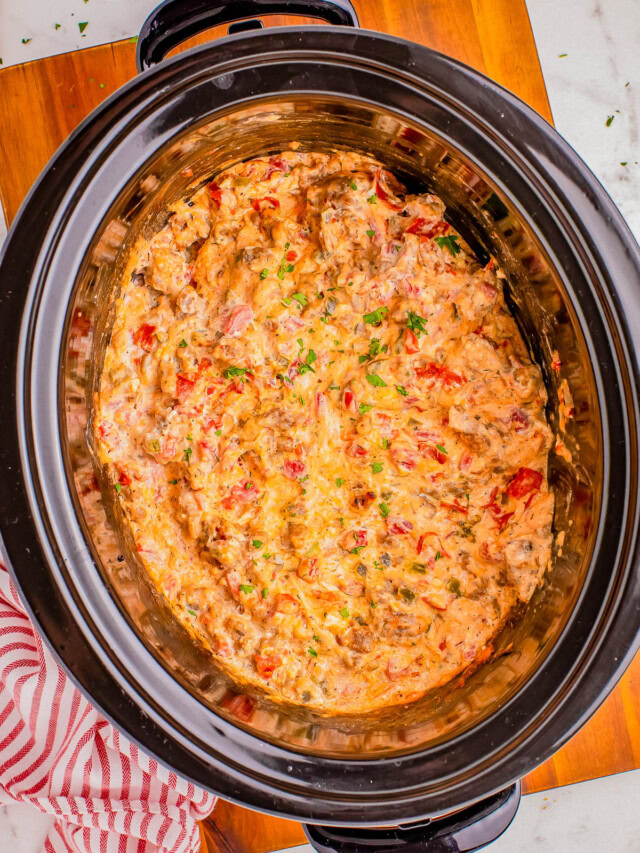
(297, 38)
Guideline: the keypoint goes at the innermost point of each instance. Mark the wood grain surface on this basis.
(41, 102)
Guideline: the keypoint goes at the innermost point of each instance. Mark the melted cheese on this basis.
(326, 433)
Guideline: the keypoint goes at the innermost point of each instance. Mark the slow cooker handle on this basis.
(174, 21)
(460, 832)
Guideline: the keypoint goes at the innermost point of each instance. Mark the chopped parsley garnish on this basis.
(416, 324)
(192, 612)
(385, 443)
(370, 232)
(363, 408)
(300, 298)
(438, 555)
(256, 543)
(374, 347)
(246, 588)
(26, 41)
(449, 243)
(374, 318)
(401, 390)
(313, 653)
(442, 449)
(339, 481)
(316, 638)
(264, 273)
(234, 371)
(357, 549)
(57, 26)
(265, 592)
(218, 432)
(376, 381)
(173, 482)
(344, 613)
(248, 484)
(306, 367)
(182, 344)
(376, 467)
(118, 488)
(189, 437)
(610, 120)
(187, 454)
(82, 25)
(384, 510)
(353, 185)
(334, 387)
(372, 199)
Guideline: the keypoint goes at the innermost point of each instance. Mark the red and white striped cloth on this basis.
(58, 753)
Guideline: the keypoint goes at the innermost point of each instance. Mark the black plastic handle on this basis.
(461, 832)
(173, 21)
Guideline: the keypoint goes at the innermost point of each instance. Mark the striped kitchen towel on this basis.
(58, 753)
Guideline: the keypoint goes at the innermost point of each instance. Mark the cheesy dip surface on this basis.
(326, 433)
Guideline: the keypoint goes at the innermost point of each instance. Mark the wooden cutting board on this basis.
(41, 102)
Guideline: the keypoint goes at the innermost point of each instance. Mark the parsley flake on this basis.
(344, 613)
(218, 432)
(373, 199)
(609, 120)
(449, 243)
(353, 185)
(246, 588)
(300, 298)
(402, 390)
(306, 367)
(441, 449)
(187, 454)
(265, 592)
(339, 481)
(82, 25)
(370, 232)
(384, 509)
(118, 488)
(234, 371)
(182, 344)
(385, 443)
(173, 482)
(416, 324)
(374, 318)
(376, 467)
(363, 408)
(313, 653)
(256, 543)
(376, 381)
(264, 273)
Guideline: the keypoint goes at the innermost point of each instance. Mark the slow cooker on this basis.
(517, 192)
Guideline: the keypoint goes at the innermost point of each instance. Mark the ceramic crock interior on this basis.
(493, 223)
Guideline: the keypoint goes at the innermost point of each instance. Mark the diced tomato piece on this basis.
(355, 450)
(237, 319)
(143, 337)
(215, 192)
(293, 468)
(183, 385)
(291, 255)
(525, 480)
(124, 479)
(354, 539)
(427, 229)
(442, 645)
(455, 506)
(465, 462)
(349, 399)
(398, 526)
(203, 365)
(286, 603)
(384, 196)
(436, 454)
(260, 203)
(556, 364)
(411, 343)
(420, 544)
(307, 568)
(394, 671)
(441, 373)
(242, 707)
(266, 665)
(276, 164)
(241, 493)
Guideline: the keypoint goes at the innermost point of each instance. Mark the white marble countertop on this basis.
(590, 56)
